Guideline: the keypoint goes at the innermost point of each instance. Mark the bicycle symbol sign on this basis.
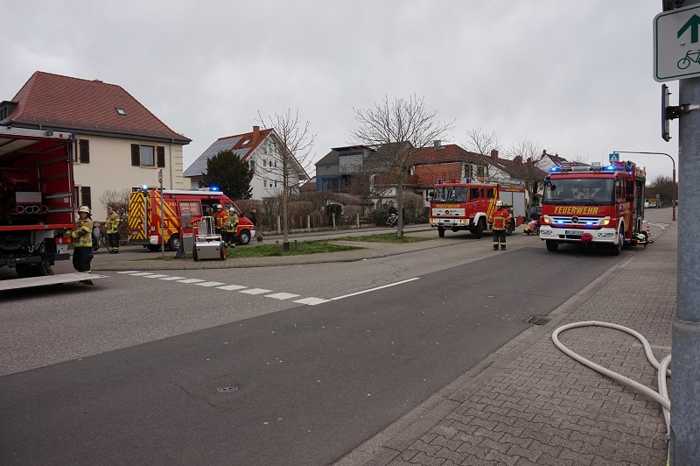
(677, 44)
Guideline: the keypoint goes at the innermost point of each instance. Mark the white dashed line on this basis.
(168, 279)
(232, 287)
(191, 280)
(311, 301)
(155, 276)
(128, 271)
(210, 284)
(140, 274)
(255, 291)
(282, 296)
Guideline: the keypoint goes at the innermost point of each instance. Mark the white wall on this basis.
(110, 169)
(267, 181)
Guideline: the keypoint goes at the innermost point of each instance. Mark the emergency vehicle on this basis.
(181, 210)
(596, 204)
(470, 206)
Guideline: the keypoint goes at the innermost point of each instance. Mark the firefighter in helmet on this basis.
(82, 240)
(501, 217)
(229, 232)
(220, 217)
(112, 227)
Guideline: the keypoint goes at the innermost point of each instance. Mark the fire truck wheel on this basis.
(479, 229)
(174, 243)
(441, 232)
(617, 248)
(154, 247)
(244, 237)
(194, 254)
(552, 245)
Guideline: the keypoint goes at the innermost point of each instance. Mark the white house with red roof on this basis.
(119, 142)
(262, 148)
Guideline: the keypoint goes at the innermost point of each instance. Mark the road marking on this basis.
(167, 279)
(255, 291)
(377, 288)
(191, 280)
(128, 271)
(311, 301)
(155, 276)
(209, 284)
(232, 287)
(140, 274)
(282, 296)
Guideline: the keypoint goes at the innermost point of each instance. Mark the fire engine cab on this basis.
(181, 211)
(470, 206)
(596, 204)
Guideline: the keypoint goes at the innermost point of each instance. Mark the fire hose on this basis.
(662, 367)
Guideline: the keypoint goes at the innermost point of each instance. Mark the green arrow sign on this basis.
(693, 24)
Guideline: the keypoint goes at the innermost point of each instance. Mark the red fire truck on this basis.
(470, 206)
(181, 210)
(597, 204)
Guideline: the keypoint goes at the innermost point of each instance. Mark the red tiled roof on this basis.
(64, 102)
(431, 174)
(445, 153)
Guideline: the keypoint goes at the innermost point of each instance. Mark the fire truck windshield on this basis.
(580, 191)
(450, 194)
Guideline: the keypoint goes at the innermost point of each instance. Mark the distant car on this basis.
(650, 203)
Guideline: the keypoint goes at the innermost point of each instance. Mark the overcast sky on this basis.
(574, 76)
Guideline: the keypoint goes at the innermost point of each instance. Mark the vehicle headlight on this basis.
(605, 221)
(546, 219)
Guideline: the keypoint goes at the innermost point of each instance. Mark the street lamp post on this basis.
(673, 190)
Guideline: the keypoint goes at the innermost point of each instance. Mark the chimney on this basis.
(518, 159)
(436, 143)
(256, 132)
(494, 154)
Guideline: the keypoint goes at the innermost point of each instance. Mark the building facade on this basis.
(119, 144)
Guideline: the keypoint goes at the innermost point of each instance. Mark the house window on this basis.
(84, 151)
(120, 111)
(252, 166)
(474, 193)
(490, 193)
(145, 156)
(275, 183)
(480, 171)
(85, 196)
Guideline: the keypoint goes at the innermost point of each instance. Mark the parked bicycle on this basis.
(691, 56)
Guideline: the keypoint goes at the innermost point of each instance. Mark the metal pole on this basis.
(162, 224)
(673, 161)
(685, 383)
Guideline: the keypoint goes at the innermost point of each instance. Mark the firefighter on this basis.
(112, 227)
(82, 240)
(500, 219)
(220, 217)
(229, 232)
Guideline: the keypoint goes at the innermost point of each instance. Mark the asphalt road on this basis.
(209, 377)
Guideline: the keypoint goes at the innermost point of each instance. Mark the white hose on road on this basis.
(663, 371)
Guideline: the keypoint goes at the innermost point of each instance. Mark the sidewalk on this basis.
(529, 404)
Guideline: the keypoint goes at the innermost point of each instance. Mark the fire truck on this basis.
(596, 204)
(181, 211)
(470, 206)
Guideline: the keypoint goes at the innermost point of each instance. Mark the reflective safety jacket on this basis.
(82, 234)
(231, 223)
(221, 218)
(500, 219)
(112, 223)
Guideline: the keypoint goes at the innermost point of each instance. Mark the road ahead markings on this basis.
(169, 279)
(376, 288)
(311, 301)
(282, 296)
(187, 281)
(232, 287)
(128, 271)
(255, 291)
(210, 284)
(155, 276)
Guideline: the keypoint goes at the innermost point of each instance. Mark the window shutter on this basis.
(160, 150)
(84, 149)
(85, 197)
(135, 157)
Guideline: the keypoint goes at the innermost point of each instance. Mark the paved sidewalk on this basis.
(529, 404)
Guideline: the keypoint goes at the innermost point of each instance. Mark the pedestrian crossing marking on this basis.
(191, 280)
(210, 284)
(155, 276)
(232, 287)
(311, 301)
(255, 291)
(169, 279)
(282, 296)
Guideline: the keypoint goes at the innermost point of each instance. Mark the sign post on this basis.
(677, 44)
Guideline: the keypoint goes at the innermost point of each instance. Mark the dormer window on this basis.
(120, 111)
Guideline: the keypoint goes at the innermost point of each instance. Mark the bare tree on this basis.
(482, 141)
(526, 149)
(529, 152)
(399, 126)
(289, 159)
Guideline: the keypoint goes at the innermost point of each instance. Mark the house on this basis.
(342, 169)
(547, 161)
(263, 149)
(119, 142)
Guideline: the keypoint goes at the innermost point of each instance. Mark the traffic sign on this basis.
(677, 44)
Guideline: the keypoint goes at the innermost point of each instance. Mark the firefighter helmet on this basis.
(499, 203)
(218, 207)
(84, 209)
